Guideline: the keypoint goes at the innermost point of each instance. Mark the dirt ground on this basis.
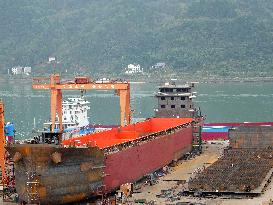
(183, 171)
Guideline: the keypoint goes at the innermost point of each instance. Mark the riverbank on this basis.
(154, 78)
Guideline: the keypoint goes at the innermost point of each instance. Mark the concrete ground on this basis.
(183, 171)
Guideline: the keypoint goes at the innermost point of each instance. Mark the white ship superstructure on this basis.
(74, 111)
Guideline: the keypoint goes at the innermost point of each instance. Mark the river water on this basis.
(221, 102)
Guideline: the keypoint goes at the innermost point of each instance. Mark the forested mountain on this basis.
(220, 36)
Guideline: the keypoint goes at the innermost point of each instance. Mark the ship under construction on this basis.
(76, 169)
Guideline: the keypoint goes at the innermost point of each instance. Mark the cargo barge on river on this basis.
(98, 163)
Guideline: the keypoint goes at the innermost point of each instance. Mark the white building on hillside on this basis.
(27, 70)
(159, 66)
(17, 70)
(133, 69)
(51, 59)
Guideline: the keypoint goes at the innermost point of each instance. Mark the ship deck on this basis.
(127, 133)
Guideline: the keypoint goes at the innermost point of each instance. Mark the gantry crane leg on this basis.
(59, 108)
(53, 105)
(124, 107)
(128, 106)
(56, 107)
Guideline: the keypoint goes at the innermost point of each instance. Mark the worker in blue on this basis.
(9, 132)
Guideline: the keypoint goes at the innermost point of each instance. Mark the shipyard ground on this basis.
(167, 188)
(173, 184)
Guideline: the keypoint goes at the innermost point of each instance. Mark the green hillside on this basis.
(220, 36)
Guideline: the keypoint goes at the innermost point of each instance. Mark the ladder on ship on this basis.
(197, 138)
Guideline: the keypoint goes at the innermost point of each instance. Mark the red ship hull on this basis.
(128, 165)
(132, 164)
(100, 161)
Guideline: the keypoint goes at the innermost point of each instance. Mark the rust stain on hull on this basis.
(40, 180)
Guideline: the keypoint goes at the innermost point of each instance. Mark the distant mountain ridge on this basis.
(219, 36)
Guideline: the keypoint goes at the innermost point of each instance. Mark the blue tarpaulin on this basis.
(9, 129)
(215, 128)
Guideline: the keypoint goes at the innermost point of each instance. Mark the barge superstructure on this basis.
(176, 101)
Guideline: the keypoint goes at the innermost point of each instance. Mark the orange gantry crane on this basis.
(122, 89)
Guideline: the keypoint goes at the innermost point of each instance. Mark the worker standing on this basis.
(10, 132)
